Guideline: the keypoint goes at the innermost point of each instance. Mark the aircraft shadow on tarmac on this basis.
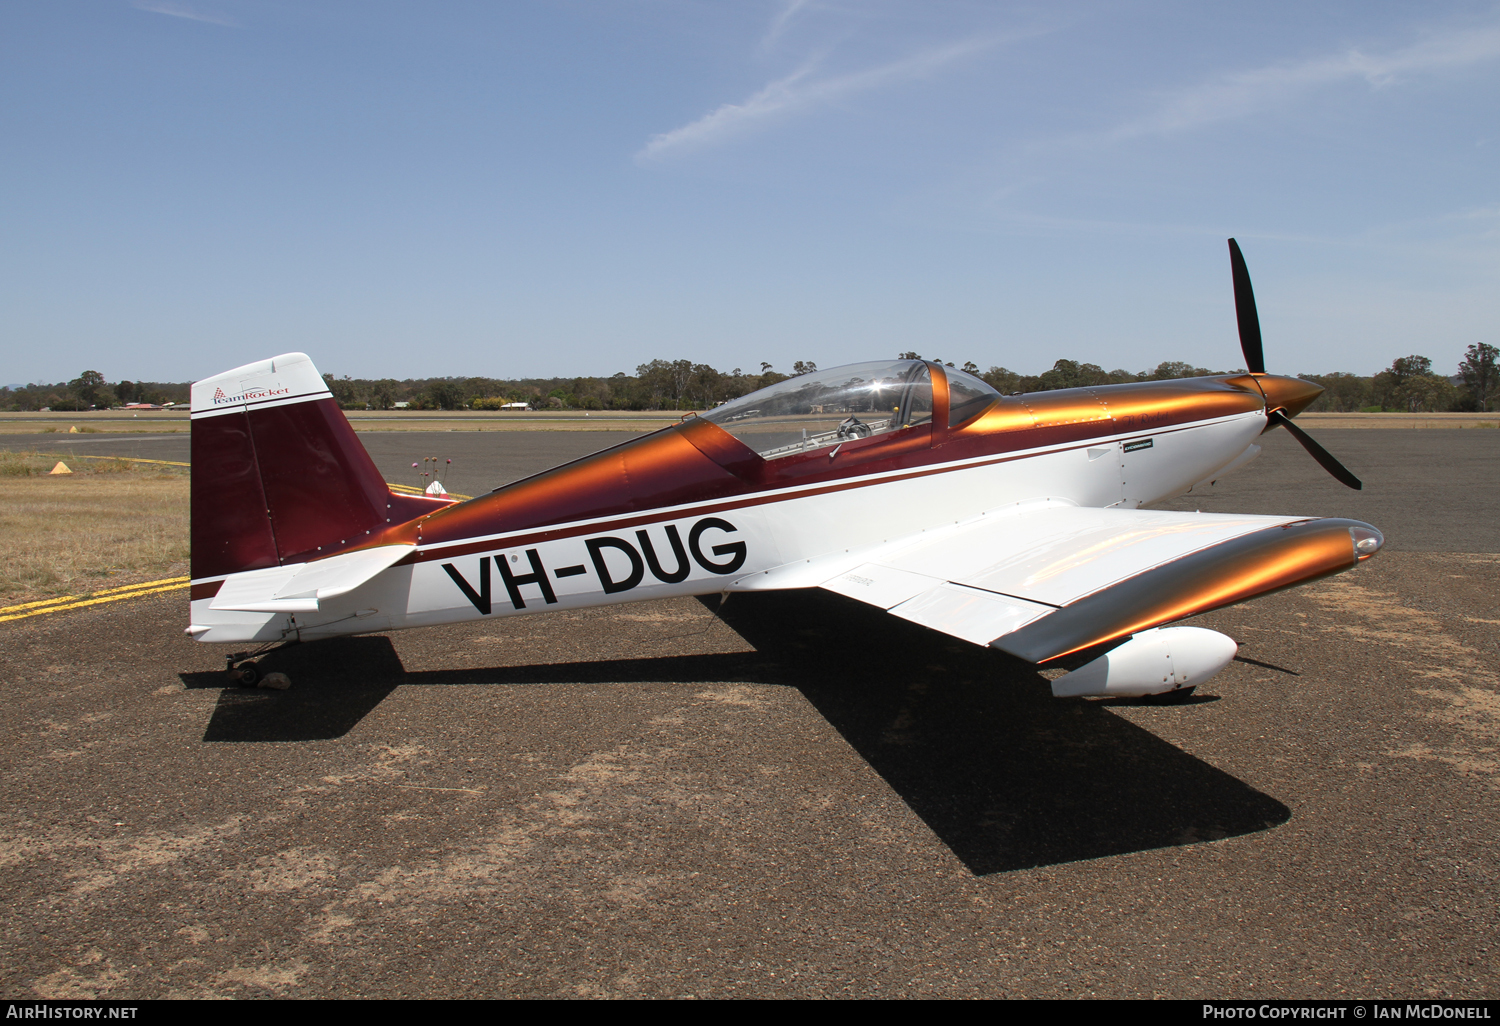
(344, 680)
(1006, 775)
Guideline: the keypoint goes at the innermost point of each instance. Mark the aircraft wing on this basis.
(1049, 580)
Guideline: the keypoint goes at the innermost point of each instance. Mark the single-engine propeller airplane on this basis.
(1010, 521)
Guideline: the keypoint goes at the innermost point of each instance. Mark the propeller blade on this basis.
(1322, 455)
(1244, 311)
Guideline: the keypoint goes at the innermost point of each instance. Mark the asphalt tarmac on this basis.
(789, 795)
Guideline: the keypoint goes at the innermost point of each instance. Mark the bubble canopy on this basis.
(831, 407)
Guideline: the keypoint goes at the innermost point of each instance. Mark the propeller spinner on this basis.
(1285, 397)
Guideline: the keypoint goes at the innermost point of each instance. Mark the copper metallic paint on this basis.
(656, 470)
(1290, 395)
(941, 403)
(1244, 568)
(1151, 404)
(1078, 415)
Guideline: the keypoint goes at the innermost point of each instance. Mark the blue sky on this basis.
(547, 187)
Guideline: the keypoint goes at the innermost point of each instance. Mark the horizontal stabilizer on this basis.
(301, 587)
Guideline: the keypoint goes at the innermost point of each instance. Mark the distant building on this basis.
(400, 406)
(516, 406)
(141, 406)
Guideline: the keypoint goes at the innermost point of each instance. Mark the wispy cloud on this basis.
(802, 89)
(784, 17)
(177, 10)
(1247, 92)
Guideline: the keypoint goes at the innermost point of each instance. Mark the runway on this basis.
(789, 796)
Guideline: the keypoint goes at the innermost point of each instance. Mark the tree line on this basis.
(1409, 384)
(90, 391)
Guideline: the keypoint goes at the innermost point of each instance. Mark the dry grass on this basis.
(108, 523)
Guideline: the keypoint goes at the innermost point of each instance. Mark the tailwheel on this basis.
(247, 674)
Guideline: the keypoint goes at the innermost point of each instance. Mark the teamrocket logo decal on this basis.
(249, 395)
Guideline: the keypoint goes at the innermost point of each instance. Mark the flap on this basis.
(881, 585)
(968, 613)
(301, 587)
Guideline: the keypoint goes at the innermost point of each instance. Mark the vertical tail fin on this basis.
(278, 474)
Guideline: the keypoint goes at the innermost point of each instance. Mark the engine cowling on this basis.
(1151, 663)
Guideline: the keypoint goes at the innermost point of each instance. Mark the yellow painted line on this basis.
(133, 587)
(406, 489)
(410, 490)
(92, 602)
(126, 459)
(93, 594)
(120, 592)
(46, 602)
(99, 598)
